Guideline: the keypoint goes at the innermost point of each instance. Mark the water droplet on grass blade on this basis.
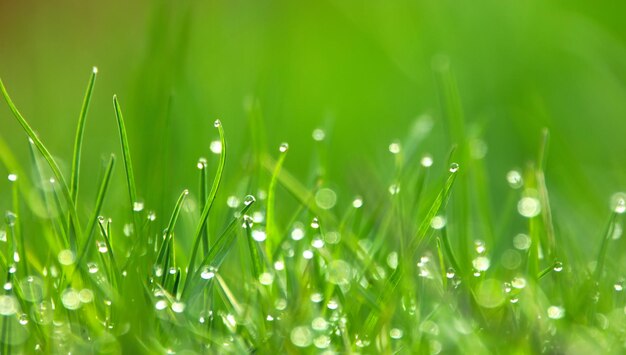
(85, 295)
(394, 189)
(138, 206)
(521, 242)
(10, 218)
(315, 223)
(325, 198)
(12, 177)
(427, 161)
(178, 307)
(450, 273)
(217, 123)
(514, 178)
(357, 202)
(396, 333)
(102, 247)
(259, 235)
(438, 222)
(248, 200)
(66, 257)
(301, 336)
(558, 266)
(481, 263)
(394, 148)
(454, 167)
(283, 147)
(618, 202)
(556, 312)
(160, 305)
(318, 134)
(266, 279)
(70, 299)
(529, 207)
(207, 273)
(215, 147)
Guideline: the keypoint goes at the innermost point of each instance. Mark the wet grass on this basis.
(421, 264)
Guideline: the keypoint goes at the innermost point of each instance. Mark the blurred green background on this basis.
(361, 70)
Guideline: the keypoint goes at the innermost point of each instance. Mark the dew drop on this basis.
(266, 278)
(529, 207)
(208, 272)
(514, 178)
(619, 286)
(232, 202)
(202, 163)
(138, 206)
(392, 260)
(70, 299)
(151, 216)
(518, 282)
(454, 167)
(322, 341)
(178, 307)
(556, 312)
(394, 189)
(357, 202)
(216, 147)
(85, 295)
(325, 198)
(618, 202)
(315, 224)
(318, 134)
(558, 266)
(248, 200)
(102, 247)
(396, 333)
(394, 148)
(158, 270)
(12, 177)
(481, 263)
(301, 336)
(129, 229)
(217, 123)
(10, 218)
(479, 245)
(521, 242)
(438, 222)
(66, 257)
(307, 254)
(3, 235)
(23, 319)
(8, 305)
(450, 273)
(283, 147)
(316, 297)
(427, 161)
(160, 305)
(317, 243)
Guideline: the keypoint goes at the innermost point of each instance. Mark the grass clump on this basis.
(426, 267)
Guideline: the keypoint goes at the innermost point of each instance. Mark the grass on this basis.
(421, 264)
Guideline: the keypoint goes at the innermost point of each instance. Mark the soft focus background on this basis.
(360, 70)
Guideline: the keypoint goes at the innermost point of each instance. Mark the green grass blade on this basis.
(80, 130)
(128, 165)
(47, 156)
(270, 228)
(93, 219)
(207, 208)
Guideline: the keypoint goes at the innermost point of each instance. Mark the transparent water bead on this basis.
(325, 198)
(3, 235)
(283, 147)
(217, 123)
(66, 257)
(138, 206)
(427, 161)
(481, 263)
(160, 305)
(85, 295)
(396, 333)
(319, 324)
(297, 233)
(558, 266)
(529, 207)
(394, 189)
(357, 202)
(266, 279)
(450, 273)
(438, 222)
(216, 147)
(619, 286)
(128, 229)
(32, 288)
(514, 178)
(480, 247)
(518, 282)
(248, 200)
(522, 241)
(339, 272)
(70, 299)
(258, 235)
(454, 167)
(315, 224)
(202, 163)
(556, 312)
(102, 247)
(178, 307)
(10, 218)
(322, 341)
(301, 336)
(8, 305)
(618, 202)
(307, 254)
(318, 134)
(208, 272)
(232, 202)
(394, 148)
(12, 177)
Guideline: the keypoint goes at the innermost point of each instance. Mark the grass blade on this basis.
(207, 208)
(128, 166)
(80, 130)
